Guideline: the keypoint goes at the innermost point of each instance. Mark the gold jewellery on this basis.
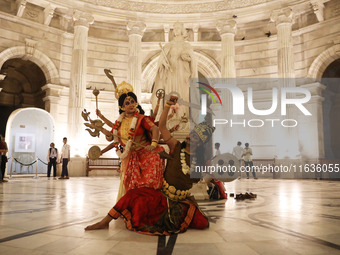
(173, 193)
(123, 88)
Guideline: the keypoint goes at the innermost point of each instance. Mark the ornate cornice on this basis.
(175, 8)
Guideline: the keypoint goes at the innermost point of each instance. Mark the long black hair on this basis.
(122, 99)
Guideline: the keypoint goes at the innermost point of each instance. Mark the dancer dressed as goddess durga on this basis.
(135, 138)
(170, 209)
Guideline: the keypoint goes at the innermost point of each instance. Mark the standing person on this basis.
(3, 152)
(52, 156)
(217, 148)
(65, 158)
(238, 151)
(248, 161)
(141, 166)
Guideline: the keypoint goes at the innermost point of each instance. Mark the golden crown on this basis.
(123, 88)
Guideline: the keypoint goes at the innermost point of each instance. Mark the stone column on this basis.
(311, 128)
(166, 28)
(78, 77)
(195, 29)
(283, 19)
(136, 30)
(52, 98)
(227, 30)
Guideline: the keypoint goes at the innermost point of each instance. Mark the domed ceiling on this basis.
(176, 6)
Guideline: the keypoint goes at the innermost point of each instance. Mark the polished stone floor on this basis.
(45, 217)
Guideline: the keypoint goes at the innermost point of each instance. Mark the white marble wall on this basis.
(108, 47)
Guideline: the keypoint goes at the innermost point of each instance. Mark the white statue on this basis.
(175, 67)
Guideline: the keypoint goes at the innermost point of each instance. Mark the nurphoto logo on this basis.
(297, 97)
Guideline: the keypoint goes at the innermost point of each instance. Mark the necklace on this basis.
(185, 168)
(131, 133)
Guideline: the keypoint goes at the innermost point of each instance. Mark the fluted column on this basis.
(195, 29)
(136, 30)
(78, 75)
(227, 30)
(166, 28)
(311, 128)
(284, 20)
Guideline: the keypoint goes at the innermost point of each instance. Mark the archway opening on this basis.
(29, 134)
(331, 109)
(21, 87)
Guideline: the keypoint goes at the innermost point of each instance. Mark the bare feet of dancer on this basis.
(103, 224)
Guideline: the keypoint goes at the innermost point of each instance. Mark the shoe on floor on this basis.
(67, 177)
(54, 178)
(61, 177)
(252, 195)
(4, 180)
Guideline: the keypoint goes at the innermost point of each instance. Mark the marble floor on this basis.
(46, 217)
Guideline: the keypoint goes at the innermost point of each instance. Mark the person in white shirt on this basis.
(238, 151)
(52, 156)
(248, 161)
(65, 158)
(217, 148)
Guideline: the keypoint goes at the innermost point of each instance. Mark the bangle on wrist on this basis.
(154, 144)
(167, 105)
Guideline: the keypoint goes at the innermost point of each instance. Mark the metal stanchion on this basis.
(36, 169)
(10, 173)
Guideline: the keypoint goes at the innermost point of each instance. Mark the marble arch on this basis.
(38, 122)
(39, 58)
(205, 65)
(322, 61)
